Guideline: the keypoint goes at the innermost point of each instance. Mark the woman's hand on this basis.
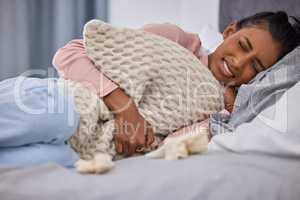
(229, 98)
(133, 132)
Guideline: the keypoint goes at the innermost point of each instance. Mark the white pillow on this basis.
(210, 38)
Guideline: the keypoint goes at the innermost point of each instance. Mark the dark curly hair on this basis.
(283, 28)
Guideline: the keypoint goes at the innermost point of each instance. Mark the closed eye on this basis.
(243, 46)
(254, 66)
(257, 67)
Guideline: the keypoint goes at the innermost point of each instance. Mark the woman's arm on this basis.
(190, 41)
(133, 131)
(72, 63)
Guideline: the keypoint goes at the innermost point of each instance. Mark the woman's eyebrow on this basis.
(251, 48)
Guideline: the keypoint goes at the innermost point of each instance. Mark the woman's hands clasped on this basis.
(133, 132)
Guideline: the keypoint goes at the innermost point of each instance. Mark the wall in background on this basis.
(32, 30)
(191, 15)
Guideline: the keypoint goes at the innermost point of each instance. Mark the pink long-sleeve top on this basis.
(72, 62)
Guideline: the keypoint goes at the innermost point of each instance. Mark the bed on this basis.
(258, 161)
(238, 166)
(210, 177)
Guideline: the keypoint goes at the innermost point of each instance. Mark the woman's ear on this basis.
(229, 30)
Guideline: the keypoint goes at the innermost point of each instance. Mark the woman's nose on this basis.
(242, 60)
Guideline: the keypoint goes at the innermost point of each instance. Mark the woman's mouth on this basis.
(225, 69)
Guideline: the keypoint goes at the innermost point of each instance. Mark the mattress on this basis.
(209, 176)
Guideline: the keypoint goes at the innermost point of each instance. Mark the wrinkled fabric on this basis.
(208, 177)
(274, 131)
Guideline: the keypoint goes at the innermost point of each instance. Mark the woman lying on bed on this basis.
(250, 46)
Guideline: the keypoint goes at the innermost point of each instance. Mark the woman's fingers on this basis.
(127, 147)
(132, 146)
(118, 143)
(131, 139)
(123, 145)
(149, 137)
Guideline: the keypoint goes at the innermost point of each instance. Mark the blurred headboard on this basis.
(231, 10)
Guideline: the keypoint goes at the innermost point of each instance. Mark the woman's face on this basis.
(243, 54)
